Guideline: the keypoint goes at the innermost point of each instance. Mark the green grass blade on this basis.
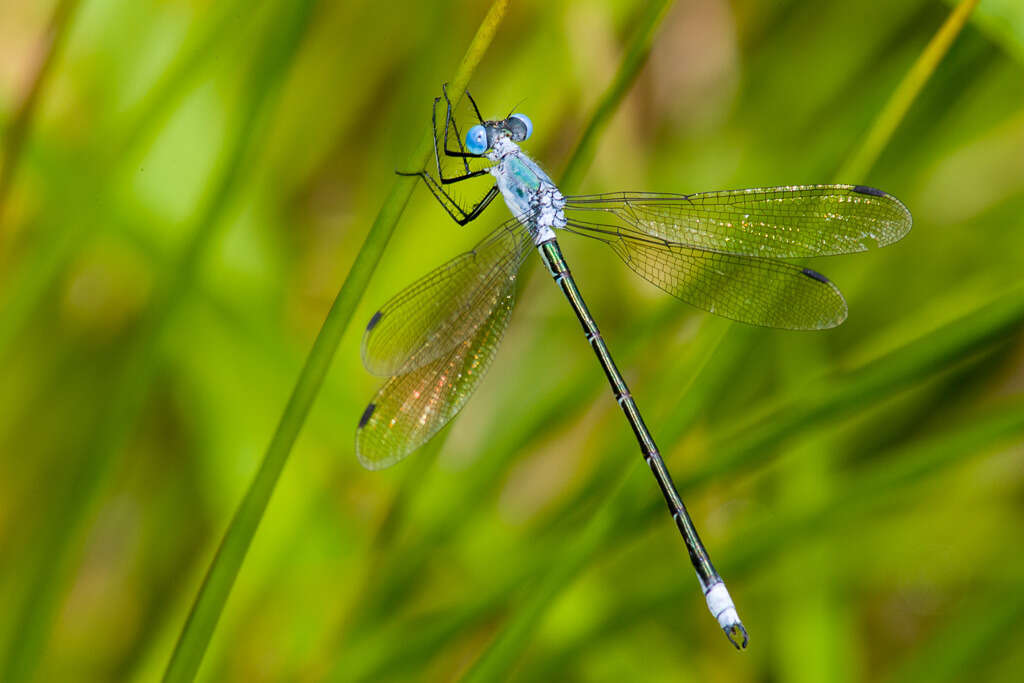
(634, 58)
(224, 569)
(896, 108)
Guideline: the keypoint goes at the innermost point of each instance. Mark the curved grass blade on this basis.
(773, 222)
(909, 88)
(751, 290)
(447, 306)
(224, 568)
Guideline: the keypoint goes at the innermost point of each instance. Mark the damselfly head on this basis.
(482, 137)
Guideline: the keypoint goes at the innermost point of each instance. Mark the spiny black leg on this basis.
(437, 152)
(475, 108)
(449, 181)
(457, 213)
(467, 176)
(475, 212)
(447, 119)
(462, 153)
(458, 138)
(450, 205)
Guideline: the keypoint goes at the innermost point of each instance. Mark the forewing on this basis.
(411, 408)
(775, 222)
(432, 316)
(750, 290)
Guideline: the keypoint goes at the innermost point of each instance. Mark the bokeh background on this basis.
(187, 193)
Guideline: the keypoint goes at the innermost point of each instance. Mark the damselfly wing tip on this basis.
(896, 220)
(867, 189)
(366, 415)
(815, 275)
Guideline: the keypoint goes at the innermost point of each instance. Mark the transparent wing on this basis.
(775, 222)
(410, 408)
(752, 290)
(441, 310)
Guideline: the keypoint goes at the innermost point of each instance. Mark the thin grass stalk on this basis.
(64, 530)
(223, 570)
(906, 93)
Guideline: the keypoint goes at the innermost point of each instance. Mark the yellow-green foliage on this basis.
(186, 186)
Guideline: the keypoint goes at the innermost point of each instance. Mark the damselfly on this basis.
(720, 251)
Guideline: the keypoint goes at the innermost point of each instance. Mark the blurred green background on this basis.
(185, 193)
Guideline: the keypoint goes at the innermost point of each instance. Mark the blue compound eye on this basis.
(527, 124)
(476, 140)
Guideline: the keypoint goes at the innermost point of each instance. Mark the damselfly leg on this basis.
(460, 214)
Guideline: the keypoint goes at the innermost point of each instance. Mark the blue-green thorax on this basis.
(528, 191)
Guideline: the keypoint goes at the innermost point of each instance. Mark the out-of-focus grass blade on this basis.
(209, 37)
(984, 630)
(888, 478)
(884, 377)
(633, 59)
(23, 298)
(37, 273)
(1004, 21)
(905, 94)
(66, 521)
(222, 572)
(891, 476)
(18, 129)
